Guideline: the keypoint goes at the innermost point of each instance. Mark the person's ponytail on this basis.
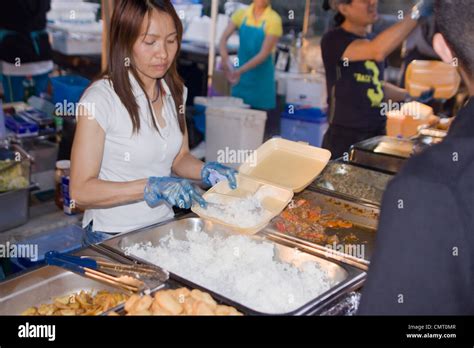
(339, 17)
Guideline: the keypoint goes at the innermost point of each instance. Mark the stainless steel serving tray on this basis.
(353, 183)
(363, 217)
(347, 277)
(42, 285)
(381, 153)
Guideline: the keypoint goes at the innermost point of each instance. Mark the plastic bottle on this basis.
(29, 86)
(62, 169)
(3, 130)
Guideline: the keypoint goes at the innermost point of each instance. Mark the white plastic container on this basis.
(76, 39)
(221, 102)
(231, 133)
(73, 12)
(306, 92)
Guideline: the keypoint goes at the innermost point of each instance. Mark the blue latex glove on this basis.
(424, 98)
(214, 172)
(423, 9)
(177, 192)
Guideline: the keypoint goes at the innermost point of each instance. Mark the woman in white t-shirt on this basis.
(131, 131)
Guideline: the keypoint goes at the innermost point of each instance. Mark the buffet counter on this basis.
(323, 240)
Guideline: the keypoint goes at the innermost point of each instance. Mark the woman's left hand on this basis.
(234, 77)
(214, 172)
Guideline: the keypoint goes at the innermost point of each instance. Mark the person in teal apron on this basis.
(24, 47)
(253, 72)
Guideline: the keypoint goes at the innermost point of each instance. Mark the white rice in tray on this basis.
(242, 212)
(239, 268)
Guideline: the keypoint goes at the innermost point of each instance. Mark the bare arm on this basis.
(87, 190)
(267, 48)
(231, 28)
(394, 93)
(385, 43)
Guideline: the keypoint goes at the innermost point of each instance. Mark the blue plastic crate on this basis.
(64, 239)
(199, 118)
(68, 89)
(308, 125)
(20, 126)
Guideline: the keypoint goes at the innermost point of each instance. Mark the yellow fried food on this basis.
(130, 304)
(83, 303)
(204, 297)
(168, 302)
(30, 311)
(202, 308)
(142, 304)
(177, 302)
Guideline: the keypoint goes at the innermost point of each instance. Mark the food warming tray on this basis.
(383, 153)
(42, 285)
(346, 277)
(357, 249)
(352, 182)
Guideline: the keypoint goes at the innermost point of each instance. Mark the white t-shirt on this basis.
(128, 156)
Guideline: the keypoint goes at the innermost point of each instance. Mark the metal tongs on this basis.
(131, 278)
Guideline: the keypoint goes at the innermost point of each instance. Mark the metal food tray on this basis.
(370, 154)
(42, 285)
(352, 183)
(348, 277)
(363, 217)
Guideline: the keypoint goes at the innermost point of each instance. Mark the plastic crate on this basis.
(21, 126)
(307, 125)
(68, 89)
(64, 239)
(202, 103)
(247, 129)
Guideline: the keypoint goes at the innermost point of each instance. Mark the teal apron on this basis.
(257, 86)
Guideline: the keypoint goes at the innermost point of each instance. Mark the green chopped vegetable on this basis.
(13, 178)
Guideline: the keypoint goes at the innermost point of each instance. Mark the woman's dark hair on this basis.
(339, 17)
(125, 27)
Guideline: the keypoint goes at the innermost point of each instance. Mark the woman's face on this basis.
(361, 12)
(156, 47)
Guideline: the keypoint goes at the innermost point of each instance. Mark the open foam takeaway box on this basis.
(278, 169)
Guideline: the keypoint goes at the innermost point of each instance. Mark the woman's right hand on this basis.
(176, 191)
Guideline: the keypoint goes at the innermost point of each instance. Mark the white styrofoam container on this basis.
(79, 39)
(221, 102)
(70, 46)
(233, 132)
(73, 11)
(306, 92)
(188, 11)
(198, 30)
(274, 201)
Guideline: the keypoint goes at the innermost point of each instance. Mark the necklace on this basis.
(157, 97)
